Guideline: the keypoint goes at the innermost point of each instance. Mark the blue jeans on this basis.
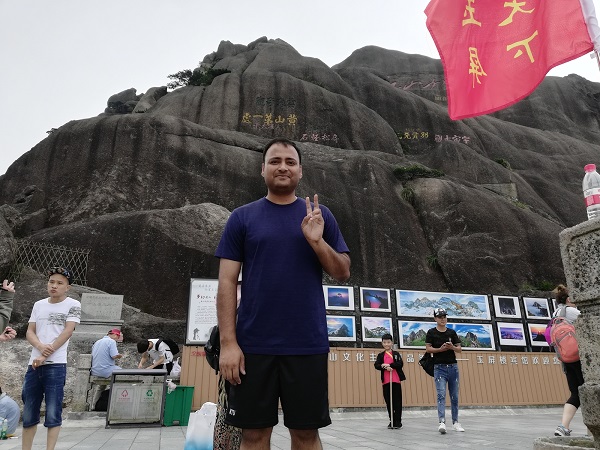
(46, 382)
(442, 374)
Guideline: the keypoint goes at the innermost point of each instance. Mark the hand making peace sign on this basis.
(313, 224)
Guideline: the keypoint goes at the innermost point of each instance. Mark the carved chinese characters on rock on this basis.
(269, 121)
(322, 137)
(411, 134)
(272, 114)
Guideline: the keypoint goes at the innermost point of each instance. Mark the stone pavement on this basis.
(501, 428)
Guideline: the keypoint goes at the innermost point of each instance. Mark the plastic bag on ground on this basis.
(201, 427)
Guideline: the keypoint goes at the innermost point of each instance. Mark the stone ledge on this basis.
(563, 442)
(86, 415)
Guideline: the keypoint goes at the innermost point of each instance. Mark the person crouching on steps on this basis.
(390, 363)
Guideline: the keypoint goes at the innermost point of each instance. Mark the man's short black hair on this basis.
(281, 141)
(387, 337)
(142, 346)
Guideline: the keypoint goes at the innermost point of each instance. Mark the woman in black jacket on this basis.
(390, 363)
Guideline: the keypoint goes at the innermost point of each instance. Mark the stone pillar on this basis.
(82, 385)
(580, 251)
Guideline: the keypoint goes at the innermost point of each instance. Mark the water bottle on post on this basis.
(591, 191)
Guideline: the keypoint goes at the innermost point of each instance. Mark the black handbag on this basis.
(213, 348)
(426, 362)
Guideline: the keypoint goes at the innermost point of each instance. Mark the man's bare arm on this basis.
(337, 265)
(65, 335)
(32, 338)
(231, 358)
(159, 362)
(143, 360)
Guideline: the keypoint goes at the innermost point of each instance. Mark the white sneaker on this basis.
(457, 427)
(562, 431)
(442, 428)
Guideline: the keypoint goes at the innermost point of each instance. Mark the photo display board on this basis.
(482, 321)
(362, 315)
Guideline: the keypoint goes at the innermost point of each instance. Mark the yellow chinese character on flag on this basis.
(470, 12)
(475, 68)
(516, 6)
(524, 43)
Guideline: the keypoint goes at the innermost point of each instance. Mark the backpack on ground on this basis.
(563, 338)
(170, 343)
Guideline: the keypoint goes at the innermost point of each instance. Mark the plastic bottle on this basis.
(4, 429)
(591, 191)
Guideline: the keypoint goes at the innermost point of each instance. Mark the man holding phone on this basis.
(443, 343)
(7, 293)
(9, 333)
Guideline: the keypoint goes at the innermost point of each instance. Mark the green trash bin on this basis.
(178, 405)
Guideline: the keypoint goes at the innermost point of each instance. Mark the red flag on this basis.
(495, 53)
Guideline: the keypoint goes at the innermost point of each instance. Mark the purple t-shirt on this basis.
(282, 309)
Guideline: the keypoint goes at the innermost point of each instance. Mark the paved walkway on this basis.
(485, 428)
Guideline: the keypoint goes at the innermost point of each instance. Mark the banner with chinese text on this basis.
(496, 53)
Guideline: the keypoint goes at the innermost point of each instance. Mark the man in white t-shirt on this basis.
(161, 355)
(51, 325)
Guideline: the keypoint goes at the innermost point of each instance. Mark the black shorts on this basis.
(298, 381)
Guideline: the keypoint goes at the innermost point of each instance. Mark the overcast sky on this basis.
(62, 59)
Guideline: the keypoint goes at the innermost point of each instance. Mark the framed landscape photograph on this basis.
(375, 299)
(511, 333)
(341, 328)
(536, 308)
(506, 306)
(458, 306)
(339, 297)
(375, 327)
(474, 336)
(412, 333)
(536, 334)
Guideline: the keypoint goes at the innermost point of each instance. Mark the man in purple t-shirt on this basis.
(274, 347)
